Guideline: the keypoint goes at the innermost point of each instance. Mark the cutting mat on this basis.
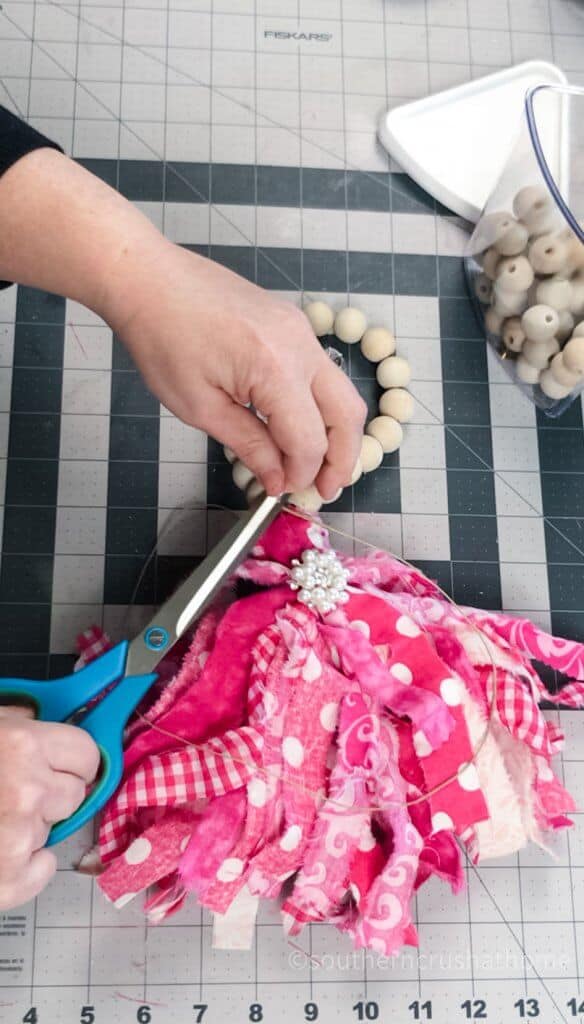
(245, 128)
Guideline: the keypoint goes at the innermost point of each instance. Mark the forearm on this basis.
(207, 341)
(65, 231)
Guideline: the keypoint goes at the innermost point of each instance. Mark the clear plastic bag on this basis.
(525, 259)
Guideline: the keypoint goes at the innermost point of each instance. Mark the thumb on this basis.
(241, 430)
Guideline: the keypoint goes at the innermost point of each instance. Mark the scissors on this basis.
(127, 671)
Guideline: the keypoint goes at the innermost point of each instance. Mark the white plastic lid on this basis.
(455, 144)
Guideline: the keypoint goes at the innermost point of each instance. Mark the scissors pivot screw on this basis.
(156, 638)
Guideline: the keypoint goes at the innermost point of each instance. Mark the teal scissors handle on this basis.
(58, 699)
(126, 671)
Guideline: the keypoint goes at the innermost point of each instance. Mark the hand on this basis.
(44, 770)
(208, 343)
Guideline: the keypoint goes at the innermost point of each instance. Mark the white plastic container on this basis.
(525, 258)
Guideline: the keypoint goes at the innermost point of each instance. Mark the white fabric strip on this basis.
(235, 928)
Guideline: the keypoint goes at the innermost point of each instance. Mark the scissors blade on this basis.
(196, 593)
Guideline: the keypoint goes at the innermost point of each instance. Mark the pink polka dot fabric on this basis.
(312, 751)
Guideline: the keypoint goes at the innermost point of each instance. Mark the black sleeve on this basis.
(16, 140)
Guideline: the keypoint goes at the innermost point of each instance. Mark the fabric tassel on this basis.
(336, 761)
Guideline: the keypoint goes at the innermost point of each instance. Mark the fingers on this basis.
(41, 868)
(23, 710)
(241, 430)
(344, 413)
(30, 880)
(297, 427)
(33, 795)
(40, 834)
(65, 796)
(70, 749)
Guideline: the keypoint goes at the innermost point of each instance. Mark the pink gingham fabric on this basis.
(92, 643)
(178, 777)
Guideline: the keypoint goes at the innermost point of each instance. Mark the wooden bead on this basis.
(536, 208)
(397, 402)
(540, 322)
(513, 334)
(387, 431)
(539, 353)
(526, 372)
(577, 297)
(253, 491)
(493, 322)
(548, 254)
(561, 373)
(229, 454)
(508, 303)
(489, 262)
(377, 343)
(493, 227)
(309, 500)
(515, 274)
(566, 325)
(321, 317)
(483, 288)
(512, 238)
(550, 386)
(371, 453)
(241, 474)
(394, 372)
(574, 354)
(575, 257)
(350, 325)
(556, 292)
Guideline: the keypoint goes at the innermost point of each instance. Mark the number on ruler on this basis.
(475, 1009)
(421, 1011)
(527, 1007)
(575, 1006)
(199, 1009)
(366, 1011)
(256, 1012)
(31, 1017)
(310, 1011)
(87, 1015)
(144, 1015)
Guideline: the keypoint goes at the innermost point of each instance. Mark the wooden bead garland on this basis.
(531, 288)
(384, 433)
(321, 318)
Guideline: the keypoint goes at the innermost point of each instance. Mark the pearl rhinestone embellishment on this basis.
(320, 580)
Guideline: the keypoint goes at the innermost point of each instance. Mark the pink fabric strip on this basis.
(384, 913)
(150, 857)
(261, 806)
(343, 821)
(181, 777)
